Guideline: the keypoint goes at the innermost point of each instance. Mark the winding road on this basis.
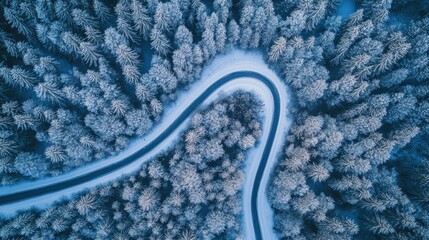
(241, 74)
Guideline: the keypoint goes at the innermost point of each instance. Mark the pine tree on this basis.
(277, 49)
(149, 199)
(316, 14)
(131, 73)
(46, 65)
(102, 11)
(317, 172)
(125, 27)
(93, 35)
(288, 224)
(84, 19)
(159, 42)
(113, 39)
(183, 63)
(89, 53)
(10, 108)
(6, 165)
(216, 222)
(138, 121)
(5, 122)
(156, 106)
(144, 92)
(126, 56)
(296, 158)
(72, 42)
(306, 203)
(18, 77)
(377, 224)
(220, 37)
(49, 91)
(294, 24)
(55, 153)
(141, 18)
(25, 122)
(183, 36)
(233, 32)
(8, 147)
(86, 204)
(120, 106)
(14, 19)
(269, 32)
(63, 11)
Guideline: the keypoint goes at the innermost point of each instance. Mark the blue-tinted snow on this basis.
(346, 8)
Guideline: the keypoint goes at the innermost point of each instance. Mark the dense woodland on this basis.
(80, 79)
(193, 191)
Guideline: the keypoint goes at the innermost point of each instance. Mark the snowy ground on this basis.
(221, 66)
(346, 8)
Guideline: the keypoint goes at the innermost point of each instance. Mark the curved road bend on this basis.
(61, 185)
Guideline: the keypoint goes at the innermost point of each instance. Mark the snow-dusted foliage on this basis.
(193, 189)
(79, 79)
(361, 95)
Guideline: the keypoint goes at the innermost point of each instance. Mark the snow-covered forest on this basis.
(81, 79)
(190, 192)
